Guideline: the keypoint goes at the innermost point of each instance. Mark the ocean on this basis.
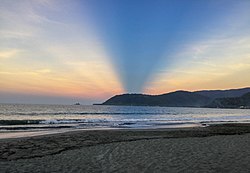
(20, 120)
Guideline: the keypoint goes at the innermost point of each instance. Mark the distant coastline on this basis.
(232, 98)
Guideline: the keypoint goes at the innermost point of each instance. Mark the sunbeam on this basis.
(96, 49)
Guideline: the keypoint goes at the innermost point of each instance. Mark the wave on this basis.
(82, 121)
(16, 128)
(88, 113)
(19, 122)
(94, 122)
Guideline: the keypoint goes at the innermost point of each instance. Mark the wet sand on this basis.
(217, 148)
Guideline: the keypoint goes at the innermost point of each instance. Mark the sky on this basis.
(67, 51)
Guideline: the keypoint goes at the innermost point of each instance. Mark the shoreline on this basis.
(215, 148)
(6, 135)
(86, 138)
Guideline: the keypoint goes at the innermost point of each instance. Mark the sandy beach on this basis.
(217, 148)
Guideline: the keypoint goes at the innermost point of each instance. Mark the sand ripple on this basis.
(220, 153)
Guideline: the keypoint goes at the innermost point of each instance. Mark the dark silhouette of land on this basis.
(232, 102)
(233, 98)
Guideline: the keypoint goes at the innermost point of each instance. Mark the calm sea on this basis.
(16, 118)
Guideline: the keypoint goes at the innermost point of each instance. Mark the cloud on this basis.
(208, 64)
(44, 71)
(5, 54)
(82, 48)
(61, 53)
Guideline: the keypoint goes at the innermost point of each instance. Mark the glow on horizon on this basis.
(43, 56)
(219, 60)
(221, 63)
(90, 50)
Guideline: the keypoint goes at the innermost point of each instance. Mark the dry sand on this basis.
(219, 148)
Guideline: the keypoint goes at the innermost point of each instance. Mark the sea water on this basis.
(41, 119)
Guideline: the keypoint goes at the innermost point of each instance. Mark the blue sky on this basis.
(143, 34)
(89, 50)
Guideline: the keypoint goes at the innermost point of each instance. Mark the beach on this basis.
(216, 148)
(124, 86)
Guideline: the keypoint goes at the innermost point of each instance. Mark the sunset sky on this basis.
(66, 51)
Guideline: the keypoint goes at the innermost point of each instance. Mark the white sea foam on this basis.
(113, 116)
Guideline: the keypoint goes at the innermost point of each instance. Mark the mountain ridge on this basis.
(224, 93)
(242, 102)
(179, 98)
